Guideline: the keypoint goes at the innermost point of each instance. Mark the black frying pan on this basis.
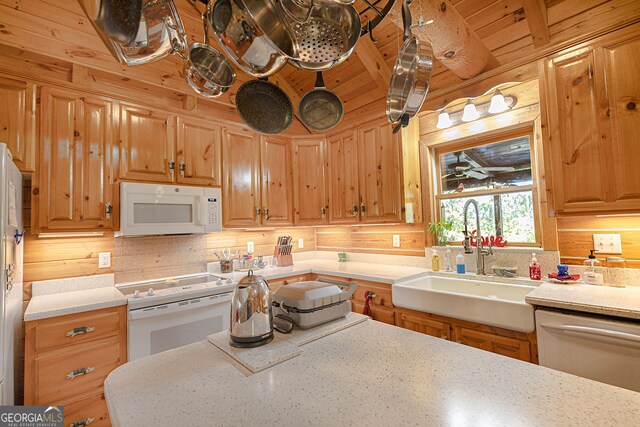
(264, 107)
(320, 109)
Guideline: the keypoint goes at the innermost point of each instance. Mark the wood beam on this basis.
(536, 12)
(374, 63)
(454, 42)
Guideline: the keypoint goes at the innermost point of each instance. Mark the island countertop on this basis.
(369, 374)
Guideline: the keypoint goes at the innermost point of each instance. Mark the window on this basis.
(497, 173)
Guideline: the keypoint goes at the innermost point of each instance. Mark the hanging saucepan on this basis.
(264, 107)
(206, 70)
(159, 24)
(253, 33)
(327, 37)
(320, 109)
(411, 76)
(114, 20)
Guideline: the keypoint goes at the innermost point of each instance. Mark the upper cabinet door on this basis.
(74, 180)
(56, 196)
(342, 177)
(379, 155)
(593, 108)
(309, 194)
(199, 152)
(241, 178)
(146, 144)
(622, 62)
(576, 138)
(18, 121)
(277, 195)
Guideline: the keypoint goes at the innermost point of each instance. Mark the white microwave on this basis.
(148, 209)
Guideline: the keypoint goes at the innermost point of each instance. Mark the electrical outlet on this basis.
(250, 247)
(300, 243)
(396, 240)
(104, 260)
(607, 243)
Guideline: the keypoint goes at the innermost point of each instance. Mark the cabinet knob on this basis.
(323, 211)
(79, 372)
(265, 212)
(108, 209)
(82, 423)
(80, 330)
(258, 212)
(355, 209)
(172, 167)
(183, 168)
(363, 208)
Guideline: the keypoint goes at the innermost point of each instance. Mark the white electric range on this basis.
(172, 312)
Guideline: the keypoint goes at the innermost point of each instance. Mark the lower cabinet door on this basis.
(377, 313)
(64, 375)
(91, 411)
(510, 347)
(423, 325)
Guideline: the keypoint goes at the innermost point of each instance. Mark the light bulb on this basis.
(498, 105)
(470, 112)
(443, 120)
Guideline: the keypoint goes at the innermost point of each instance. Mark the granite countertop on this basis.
(369, 374)
(383, 273)
(75, 295)
(607, 300)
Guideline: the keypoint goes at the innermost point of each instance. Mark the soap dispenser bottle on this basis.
(435, 261)
(447, 259)
(590, 275)
(534, 268)
(460, 263)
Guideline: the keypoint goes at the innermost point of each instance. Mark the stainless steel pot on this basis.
(411, 76)
(206, 70)
(253, 33)
(251, 315)
(114, 20)
(327, 37)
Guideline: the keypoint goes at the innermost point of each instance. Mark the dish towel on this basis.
(367, 308)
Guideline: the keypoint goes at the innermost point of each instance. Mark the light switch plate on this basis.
(396, 240)
(300, 243)
(250, 247)
(104, 260)
(607, 243)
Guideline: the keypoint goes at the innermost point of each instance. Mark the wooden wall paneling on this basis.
(277, 181)
(342, 178)
(241, 178)
(147, 138)
(264, 240)
(411, 172)
(18, 121)
(198, 152)
(309, 181)
(375, 239)
(380, 169)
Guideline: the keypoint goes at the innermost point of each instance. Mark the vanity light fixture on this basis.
(498, 104)
(443, 119)
(470, 112)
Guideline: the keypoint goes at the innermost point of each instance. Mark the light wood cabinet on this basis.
(146, 144)
(506, 346)
(241, 178)
(380, 173)
(18, 121)
(276, 184)
(342, 177)
(309, 188)
(593, 109)
(67, 359)
(73, 189)
(198, 152)
(424, 325)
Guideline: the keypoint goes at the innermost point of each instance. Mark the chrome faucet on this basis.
(482, 252)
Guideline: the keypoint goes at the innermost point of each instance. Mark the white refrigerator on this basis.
(11, 251)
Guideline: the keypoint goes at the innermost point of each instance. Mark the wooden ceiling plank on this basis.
(374, 62)
(536, 12)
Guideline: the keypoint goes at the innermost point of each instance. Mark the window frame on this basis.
(486, 139)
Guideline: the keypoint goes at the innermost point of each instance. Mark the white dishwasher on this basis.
(599, 348)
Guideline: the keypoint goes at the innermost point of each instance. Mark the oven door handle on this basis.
(630, 340)
(174, 307)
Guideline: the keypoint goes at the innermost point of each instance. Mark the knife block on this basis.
(283, 260)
